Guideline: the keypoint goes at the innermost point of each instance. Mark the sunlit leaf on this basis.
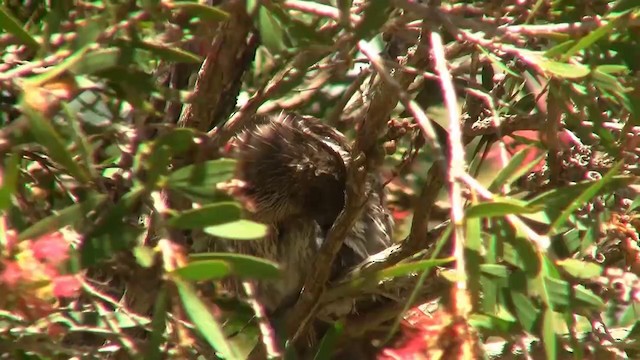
(168, 53)
(11, 171)
(497, 208)
(580, 269)
(203, 270)
(204, 321)
(514, 169)
(271, 31)
(201, 179)
(64, 217)
(244, 266)
(590, 39)
(158, 326)
(564, 70)
(526, 312)
(586, 195)
(194, 9)
(238, 230)
(9, 23)
(48, 137)
(213, 214)
(549, 338)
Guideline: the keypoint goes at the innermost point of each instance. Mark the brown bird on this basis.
(293, 171)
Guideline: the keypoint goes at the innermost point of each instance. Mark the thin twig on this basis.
(268, 335)
(457, 167)
(318, 9)
(410, 104)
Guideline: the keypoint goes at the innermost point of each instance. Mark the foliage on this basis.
(115, 122)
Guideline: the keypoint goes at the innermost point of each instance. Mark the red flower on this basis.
(51, 248)
(66, 286)
(12, 274)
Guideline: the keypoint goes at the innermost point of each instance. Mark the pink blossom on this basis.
(51, 248)
(66, 286)
(12, 273)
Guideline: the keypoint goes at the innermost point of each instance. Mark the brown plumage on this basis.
(294, 171)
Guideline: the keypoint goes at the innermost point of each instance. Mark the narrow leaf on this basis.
(62, 218)
(48, 137)
(244, 266)
(497, 209)
(589, 40)
(13, 27)
(514, 169)
(203, 270)
(201, 179)
(238, 230)
(585, 196)
(204, 321)
(204, 12)
(564, 70)
(580, 269)
(214, 214)
(549, 338)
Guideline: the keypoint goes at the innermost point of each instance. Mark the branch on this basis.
(365, 157)
(219, 78)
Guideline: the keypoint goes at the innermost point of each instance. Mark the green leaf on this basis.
(203, 270)
(498, 62)
(204, 12)
(613, 69)
(498, 209)
(145, 256)
(271, 31)
(495, 270)
(96, 248)
(179, 140)
(526, 312)
(555, 200)
(514, 169)
(580, 269)
(155, 161)
(112, 233)
(329, 341)
(549, 335)
(168, 53)
(589, 40)
(238, 230)
(405, 269)
(564, 70)
(213, 214)
(563, 296)
(85, 151)
(47, 136)
(473, 253)
(375, 15)
(64, 217)
(559, 49)
(98, 60)
(244, 266)
(499, 323)
(373, 278)
(200, 179)
(204, 321)
(585, 196)
(13, 27)
(11, 171)
(54, 72)
(158, 325)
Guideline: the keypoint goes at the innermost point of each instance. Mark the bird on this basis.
(293, 171)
